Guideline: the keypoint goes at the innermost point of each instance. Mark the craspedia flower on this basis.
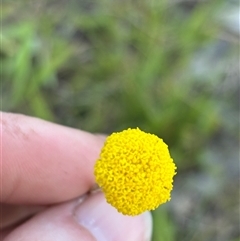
(135, 171)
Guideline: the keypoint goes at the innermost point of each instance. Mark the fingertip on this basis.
(87, 219)
(106, 223)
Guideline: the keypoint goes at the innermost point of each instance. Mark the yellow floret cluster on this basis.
(135, 171)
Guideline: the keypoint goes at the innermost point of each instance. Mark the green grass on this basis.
(105, 66)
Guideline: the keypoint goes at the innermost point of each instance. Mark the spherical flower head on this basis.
(135, 171)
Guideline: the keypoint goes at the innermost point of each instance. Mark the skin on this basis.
(46, 176)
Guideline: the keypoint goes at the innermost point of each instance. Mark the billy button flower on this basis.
(135, 171)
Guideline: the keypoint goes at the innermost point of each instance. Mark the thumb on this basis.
(89, 219)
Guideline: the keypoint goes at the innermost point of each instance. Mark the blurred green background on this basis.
(168, 67)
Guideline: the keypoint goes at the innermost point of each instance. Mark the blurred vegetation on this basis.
(103, 66)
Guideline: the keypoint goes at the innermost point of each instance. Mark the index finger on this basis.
(44, 163)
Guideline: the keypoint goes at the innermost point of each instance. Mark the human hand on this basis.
(46, 174)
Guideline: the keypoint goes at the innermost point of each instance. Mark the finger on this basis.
(93, 219)
(13, 214)
(44, 162)
(56, 223)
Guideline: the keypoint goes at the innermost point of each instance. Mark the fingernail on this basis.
(105, 223)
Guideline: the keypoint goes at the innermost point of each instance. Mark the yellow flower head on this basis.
(135, 171)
